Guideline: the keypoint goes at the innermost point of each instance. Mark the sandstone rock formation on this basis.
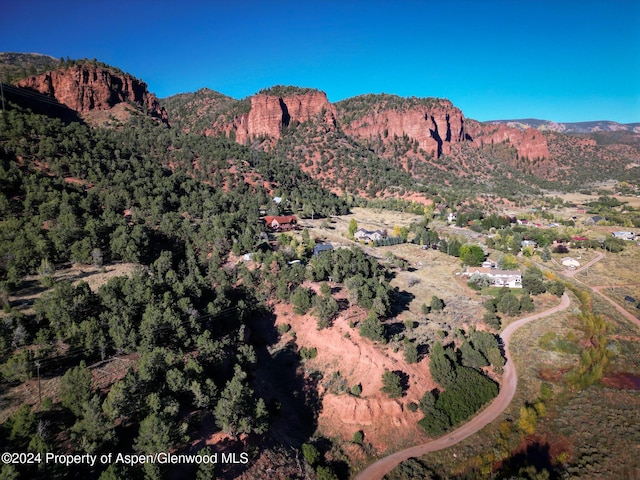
(89, 86)
(435, 125)
(529, 143)
(269, 114)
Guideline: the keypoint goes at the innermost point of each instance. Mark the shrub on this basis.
(358, 437)
(436, 304)
(310, 453)
(283, 328)
(356, 390)
(308, 353)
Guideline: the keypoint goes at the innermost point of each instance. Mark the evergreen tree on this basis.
(391, 384)
(75, 388)
(372, 328)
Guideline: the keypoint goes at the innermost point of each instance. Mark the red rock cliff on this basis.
(269, 114)
(88, 87)
(435, 127)
(530, 143)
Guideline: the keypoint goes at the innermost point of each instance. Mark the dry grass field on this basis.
(615, 269)
(580, 198)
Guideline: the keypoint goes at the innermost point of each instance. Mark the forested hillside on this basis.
(176, 205)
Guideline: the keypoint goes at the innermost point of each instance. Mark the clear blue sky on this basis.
(495, 59)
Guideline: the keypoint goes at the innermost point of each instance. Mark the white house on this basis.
(624, 235)
(499, 278)
(369, 236)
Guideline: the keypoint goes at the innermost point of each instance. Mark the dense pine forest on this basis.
(176, 205)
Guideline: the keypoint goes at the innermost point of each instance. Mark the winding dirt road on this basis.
(507, 390)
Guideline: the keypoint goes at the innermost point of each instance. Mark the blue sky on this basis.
(494, 59)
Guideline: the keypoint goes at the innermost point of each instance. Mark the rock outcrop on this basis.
(87, 87)
(435, 125)
(269, 114)
(529, 143)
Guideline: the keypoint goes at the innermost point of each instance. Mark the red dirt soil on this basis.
(386, 423)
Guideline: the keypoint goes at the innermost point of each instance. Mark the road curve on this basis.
(383, 466)
(571, 273)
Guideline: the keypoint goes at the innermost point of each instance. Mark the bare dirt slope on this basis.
(345, 359)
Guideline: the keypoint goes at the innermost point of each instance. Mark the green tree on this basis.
(75, 388)
(436, 304)
(556, 288)
(546, 254)
(471, 254)
(325, 308)
(206, 470)
(391, 384)
(492, 320)
(410, 352)
(22, 423)
(310, 454)
(236, 411)
(532, 282)
(154, 435)
(509, 304)
(325, 473)
(92, 430)
(372, 328)
(526, 303)
(470, 357)
(440, 366)
(353, 227)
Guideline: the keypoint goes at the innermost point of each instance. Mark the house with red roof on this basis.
(281, 223)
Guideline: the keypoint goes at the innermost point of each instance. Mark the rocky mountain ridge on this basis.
(370, 145)
(435, 124)
(89, 86)
(270, 114)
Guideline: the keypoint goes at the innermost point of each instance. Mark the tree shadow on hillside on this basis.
(404, 380)
(401, 302)
(423, 350)
(290, 395)
(392, 329)
(535, 459)
(343, 304)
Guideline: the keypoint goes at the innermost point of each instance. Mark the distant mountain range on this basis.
(570, 127)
